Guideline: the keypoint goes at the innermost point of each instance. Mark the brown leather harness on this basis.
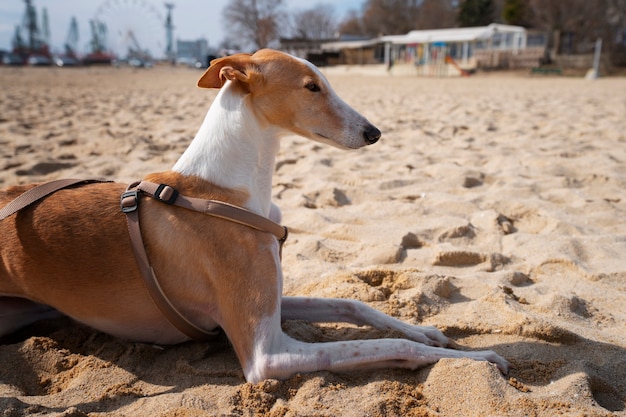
(129, 203)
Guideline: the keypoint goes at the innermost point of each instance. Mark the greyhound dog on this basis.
(70, 253)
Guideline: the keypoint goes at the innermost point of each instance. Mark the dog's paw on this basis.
(429, 335)
(491, 356)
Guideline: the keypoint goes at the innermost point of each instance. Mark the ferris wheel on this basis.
(134, 28)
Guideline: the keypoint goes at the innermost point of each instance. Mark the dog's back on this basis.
(55, 238)
(72, 251)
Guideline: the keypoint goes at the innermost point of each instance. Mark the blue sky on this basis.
(193, 19)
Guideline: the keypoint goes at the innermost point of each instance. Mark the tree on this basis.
(476, 13)
(515, 12)
(256, 22)
(390, 17)
(436, 14)
(394, 17)
(383, 17)
(316, 23)
(580, 22)
(352, 24)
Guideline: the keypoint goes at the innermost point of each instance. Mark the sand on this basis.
(492, 208)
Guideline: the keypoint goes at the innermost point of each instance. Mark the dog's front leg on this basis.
(283, 356)
(331, 310)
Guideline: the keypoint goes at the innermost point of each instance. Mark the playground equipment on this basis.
(451, 61)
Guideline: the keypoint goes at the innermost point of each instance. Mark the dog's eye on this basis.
(313, 87)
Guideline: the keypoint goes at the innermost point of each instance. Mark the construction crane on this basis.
(45, 27)
(98, 35)
(35, 44)
(30, 24)
(18, 42)
(169, 34)
(71, 42)
(98, 54)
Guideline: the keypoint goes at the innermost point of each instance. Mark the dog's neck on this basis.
(233, 150)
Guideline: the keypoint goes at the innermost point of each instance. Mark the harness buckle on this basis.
(129, 201)
(166, 194)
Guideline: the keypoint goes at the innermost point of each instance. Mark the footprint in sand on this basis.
(332, 198)
(462, 258)
(45, 168)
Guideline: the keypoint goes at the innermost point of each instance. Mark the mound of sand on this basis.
(492, 208)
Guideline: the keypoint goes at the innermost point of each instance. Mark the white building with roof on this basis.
(456, 50)
(460, 44)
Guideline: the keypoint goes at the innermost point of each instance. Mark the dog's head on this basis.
(292, 94)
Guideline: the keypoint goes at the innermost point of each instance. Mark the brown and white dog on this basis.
(71, 252)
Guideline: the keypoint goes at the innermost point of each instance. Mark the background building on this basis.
(192, 52)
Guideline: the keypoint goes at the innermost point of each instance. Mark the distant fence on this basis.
(584, 61)
(509, 59)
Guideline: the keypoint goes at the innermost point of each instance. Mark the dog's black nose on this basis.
(371, 134)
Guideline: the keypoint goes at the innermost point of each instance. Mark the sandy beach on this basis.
(493, 208)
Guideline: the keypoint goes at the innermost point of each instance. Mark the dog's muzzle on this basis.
(371, 134)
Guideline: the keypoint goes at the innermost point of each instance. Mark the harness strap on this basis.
(129, 203)
(171, 313)
(37, 193)
(169, 195)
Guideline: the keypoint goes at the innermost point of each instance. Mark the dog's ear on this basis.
(233, 67)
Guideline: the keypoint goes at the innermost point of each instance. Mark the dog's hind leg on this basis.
(332, 310)
(16, 313)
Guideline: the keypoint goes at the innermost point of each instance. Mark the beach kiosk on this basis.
(455, 51)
